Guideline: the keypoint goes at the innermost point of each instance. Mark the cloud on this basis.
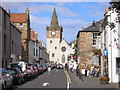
(70, 26)
(38, 8)
(40, 20)
(97, 13)
(69, 18)
(56, 0)
(71, 23)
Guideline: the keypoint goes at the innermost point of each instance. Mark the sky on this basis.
(72, 16)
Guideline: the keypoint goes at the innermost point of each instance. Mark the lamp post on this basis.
(12, 56)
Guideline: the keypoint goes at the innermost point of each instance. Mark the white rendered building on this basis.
(111, 40)
(57, 48)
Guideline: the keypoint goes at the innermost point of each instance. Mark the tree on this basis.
(75, 52)
(115, 5)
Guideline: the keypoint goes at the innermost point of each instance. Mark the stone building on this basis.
(10, 40)
(22, 22)
(86, 40)
(44, 56)
(57, 48)
(33, 47)
(16, 51)
(4, 37)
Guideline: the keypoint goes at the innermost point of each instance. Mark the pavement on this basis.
(88, 82)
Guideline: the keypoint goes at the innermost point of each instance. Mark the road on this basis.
(60, 79)
(57, 79)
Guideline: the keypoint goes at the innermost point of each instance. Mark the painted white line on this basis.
(68, 86)
(45, 84)
(68, 80)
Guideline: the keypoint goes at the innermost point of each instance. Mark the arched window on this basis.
(63, 58)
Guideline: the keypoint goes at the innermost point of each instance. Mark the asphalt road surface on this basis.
(57, 79)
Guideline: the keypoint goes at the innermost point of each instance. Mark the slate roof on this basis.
(95, 27)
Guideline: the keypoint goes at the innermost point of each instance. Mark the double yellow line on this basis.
(67, 76)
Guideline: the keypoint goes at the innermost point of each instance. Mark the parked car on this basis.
(53, 65)
(31, 71)
(38, 68)
(60, 66)
(44, 68)
(41, 70)
(5, 79)
(22, 65)
(18, 76)
(35, 70)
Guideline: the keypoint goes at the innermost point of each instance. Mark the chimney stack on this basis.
(9, 11)
(27, 11)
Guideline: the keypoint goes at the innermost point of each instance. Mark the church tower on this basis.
(54, 37)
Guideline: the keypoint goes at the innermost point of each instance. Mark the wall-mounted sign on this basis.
(105, 52)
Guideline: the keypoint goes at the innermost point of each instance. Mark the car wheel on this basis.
(19, 81)
(23, 80)
(4, 86)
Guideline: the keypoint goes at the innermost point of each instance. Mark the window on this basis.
(34, 51)
(5, 43)
(94, 38)
(63, 49)
(50, 41)
(21, 24)
(63, 58)
(53, 55)
(4, 20)
(12, 47)
(55, 47)
(0, 17)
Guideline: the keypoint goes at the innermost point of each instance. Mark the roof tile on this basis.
(18, 17)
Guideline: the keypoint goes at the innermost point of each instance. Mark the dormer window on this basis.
(21, 24)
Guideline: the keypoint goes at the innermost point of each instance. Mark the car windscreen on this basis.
(12, 71)
(14, 65)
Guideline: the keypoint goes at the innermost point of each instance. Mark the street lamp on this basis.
(12, 56)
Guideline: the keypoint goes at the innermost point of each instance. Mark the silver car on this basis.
(5, 79)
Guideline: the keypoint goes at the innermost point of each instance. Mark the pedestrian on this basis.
(81, 76)
(77, 70)
(93, 72)
(71, 67)
(74, 67)
(49, 69)
(85, 72)
(66, 66)
(78, 73)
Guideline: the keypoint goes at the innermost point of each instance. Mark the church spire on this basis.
(54, 22)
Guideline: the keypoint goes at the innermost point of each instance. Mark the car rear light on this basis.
(24, 70)
(17, 75)
(1, 77)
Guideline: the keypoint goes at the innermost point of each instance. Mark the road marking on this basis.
(68, 79)
(45, 84)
